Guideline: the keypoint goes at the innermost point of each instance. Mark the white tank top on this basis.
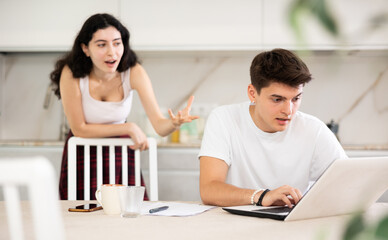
(101, 112)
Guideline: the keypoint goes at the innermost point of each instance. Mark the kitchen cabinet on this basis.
(354, 19)
(178, 173)
(192, 24)
(277, 30)
(45, 25)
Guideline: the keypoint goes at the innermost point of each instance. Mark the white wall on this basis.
(201, 47)
(219, 78)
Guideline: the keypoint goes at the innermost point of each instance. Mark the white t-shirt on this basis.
(258, 159)
(96, 111)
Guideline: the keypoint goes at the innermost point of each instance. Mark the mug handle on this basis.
(98, 194)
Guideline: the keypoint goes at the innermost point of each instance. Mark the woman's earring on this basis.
(252, 103)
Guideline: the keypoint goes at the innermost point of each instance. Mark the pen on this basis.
(154, 210)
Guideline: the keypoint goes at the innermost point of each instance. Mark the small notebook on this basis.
(175, 209)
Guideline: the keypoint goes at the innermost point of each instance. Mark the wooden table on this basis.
(213, 224)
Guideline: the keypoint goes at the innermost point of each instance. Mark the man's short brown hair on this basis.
(278, 65)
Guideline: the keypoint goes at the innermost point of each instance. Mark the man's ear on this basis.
(252, 93)
(85, 49)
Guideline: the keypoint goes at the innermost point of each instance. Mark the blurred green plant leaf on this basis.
(316, 8)
(320, 10)
(355, 227)
(295, 12)
(382, 229)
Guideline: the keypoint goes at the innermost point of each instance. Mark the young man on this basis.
(265, 152)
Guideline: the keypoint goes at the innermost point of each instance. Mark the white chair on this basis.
(112, 143)
(38, 175)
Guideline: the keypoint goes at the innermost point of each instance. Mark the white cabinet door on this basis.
(192, 24)
(178, 173)
(356, 21)
(46, 24)
(353, 18)
(277, 30)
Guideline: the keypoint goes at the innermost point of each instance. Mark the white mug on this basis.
(109, 198)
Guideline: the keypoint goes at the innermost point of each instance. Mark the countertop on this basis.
(53, 143)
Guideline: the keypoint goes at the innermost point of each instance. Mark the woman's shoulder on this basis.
(138, 75)
(67, 73)
(137, 69)
(67, 78)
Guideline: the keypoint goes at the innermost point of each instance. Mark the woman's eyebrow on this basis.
(102, 40)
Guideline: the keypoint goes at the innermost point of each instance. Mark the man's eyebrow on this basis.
(282, 97)
(277, 96)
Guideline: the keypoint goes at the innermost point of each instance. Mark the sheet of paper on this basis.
(175, 209)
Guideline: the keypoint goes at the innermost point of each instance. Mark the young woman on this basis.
(95, 81)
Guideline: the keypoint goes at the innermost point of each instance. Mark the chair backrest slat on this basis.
(111, 143)
(153, 168)
(72, 175)
(87, 173)
(137, 168)
(124, 165)
(112, 164)
(99, 165)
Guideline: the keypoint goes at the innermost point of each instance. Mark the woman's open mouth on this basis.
(111, 63)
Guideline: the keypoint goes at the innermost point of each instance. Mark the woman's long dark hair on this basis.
(79, 63)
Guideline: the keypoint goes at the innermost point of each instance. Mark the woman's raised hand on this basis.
(183, 116)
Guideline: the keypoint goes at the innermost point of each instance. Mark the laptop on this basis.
(347, 186)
